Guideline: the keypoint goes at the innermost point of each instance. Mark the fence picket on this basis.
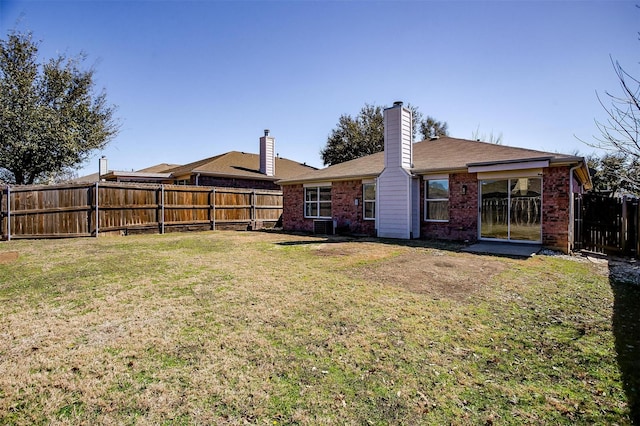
(93, 209)
(607, 225)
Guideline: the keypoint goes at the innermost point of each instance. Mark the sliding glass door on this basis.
(511, 209)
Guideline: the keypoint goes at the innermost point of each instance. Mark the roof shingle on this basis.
(433, 156)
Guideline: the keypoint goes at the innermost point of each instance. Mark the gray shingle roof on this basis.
(433, 156)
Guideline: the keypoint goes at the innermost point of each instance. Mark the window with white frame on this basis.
(317, 202)
(436, 200)
(369, 200)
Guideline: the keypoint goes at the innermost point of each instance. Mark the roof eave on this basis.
(233, 176)
(510, 161)
(295, 181)
(438, 170)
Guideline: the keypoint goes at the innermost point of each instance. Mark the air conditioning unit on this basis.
(323, 227)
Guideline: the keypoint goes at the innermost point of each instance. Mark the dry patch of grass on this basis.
(264, 328)
(8, 257)
(436, 273)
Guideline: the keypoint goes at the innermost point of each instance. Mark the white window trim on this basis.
(318, 202)
(426, 200)
(365, 201)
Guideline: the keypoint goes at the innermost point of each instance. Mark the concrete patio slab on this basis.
(504, 249)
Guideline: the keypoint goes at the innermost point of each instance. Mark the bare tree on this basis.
(491, 138)
(620, 133)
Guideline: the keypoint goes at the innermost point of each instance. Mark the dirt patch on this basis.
(8, 257)
(335, 250)
(441, 275)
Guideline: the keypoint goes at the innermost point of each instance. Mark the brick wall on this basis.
(343, 209)
(293, 209)
(463, 211)
(555, 211)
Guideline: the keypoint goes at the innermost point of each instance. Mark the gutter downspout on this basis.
(572, 218)
(197, 179)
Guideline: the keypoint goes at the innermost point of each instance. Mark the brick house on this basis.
(232, 169)
(445, 188)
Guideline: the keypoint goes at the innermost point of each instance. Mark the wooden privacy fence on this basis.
(607, 225)
(84, 210)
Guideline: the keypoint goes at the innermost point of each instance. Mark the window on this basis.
(436, 200)
(317, 202)
(369, 200)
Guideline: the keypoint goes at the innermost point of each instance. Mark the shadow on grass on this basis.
(497, 249)
(328, 239)
(626, 329)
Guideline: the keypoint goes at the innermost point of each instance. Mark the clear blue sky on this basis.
(193, 79)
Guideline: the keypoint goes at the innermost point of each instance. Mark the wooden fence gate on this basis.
(84, 210)
(607, 225)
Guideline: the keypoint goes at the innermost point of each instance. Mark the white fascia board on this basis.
(434, 177)
(316, 184)
(501, 167)
(510, 174)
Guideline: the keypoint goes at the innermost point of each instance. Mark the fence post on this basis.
(8, 213)
(96, 197)
(636, 228)
(213, 209)
(162, 210)
(624, 225)
(253, 205)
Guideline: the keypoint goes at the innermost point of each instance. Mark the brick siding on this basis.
(463, 209)
(293, 209)
(555, 210)
(344, 210)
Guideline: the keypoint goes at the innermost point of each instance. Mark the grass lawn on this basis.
(267, 328)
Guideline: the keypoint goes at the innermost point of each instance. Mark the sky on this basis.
(194, 79)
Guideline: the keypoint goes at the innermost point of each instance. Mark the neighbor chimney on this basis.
(267, 154)
(102, 167)
(398, 147)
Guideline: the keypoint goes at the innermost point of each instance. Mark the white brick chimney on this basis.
(267, 154)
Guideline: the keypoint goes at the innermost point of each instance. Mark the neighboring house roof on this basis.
(159, 168)
(157, 173)
(147, 172)
(92, 178)
(441, 155)
(135, 176)
(242, 165)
